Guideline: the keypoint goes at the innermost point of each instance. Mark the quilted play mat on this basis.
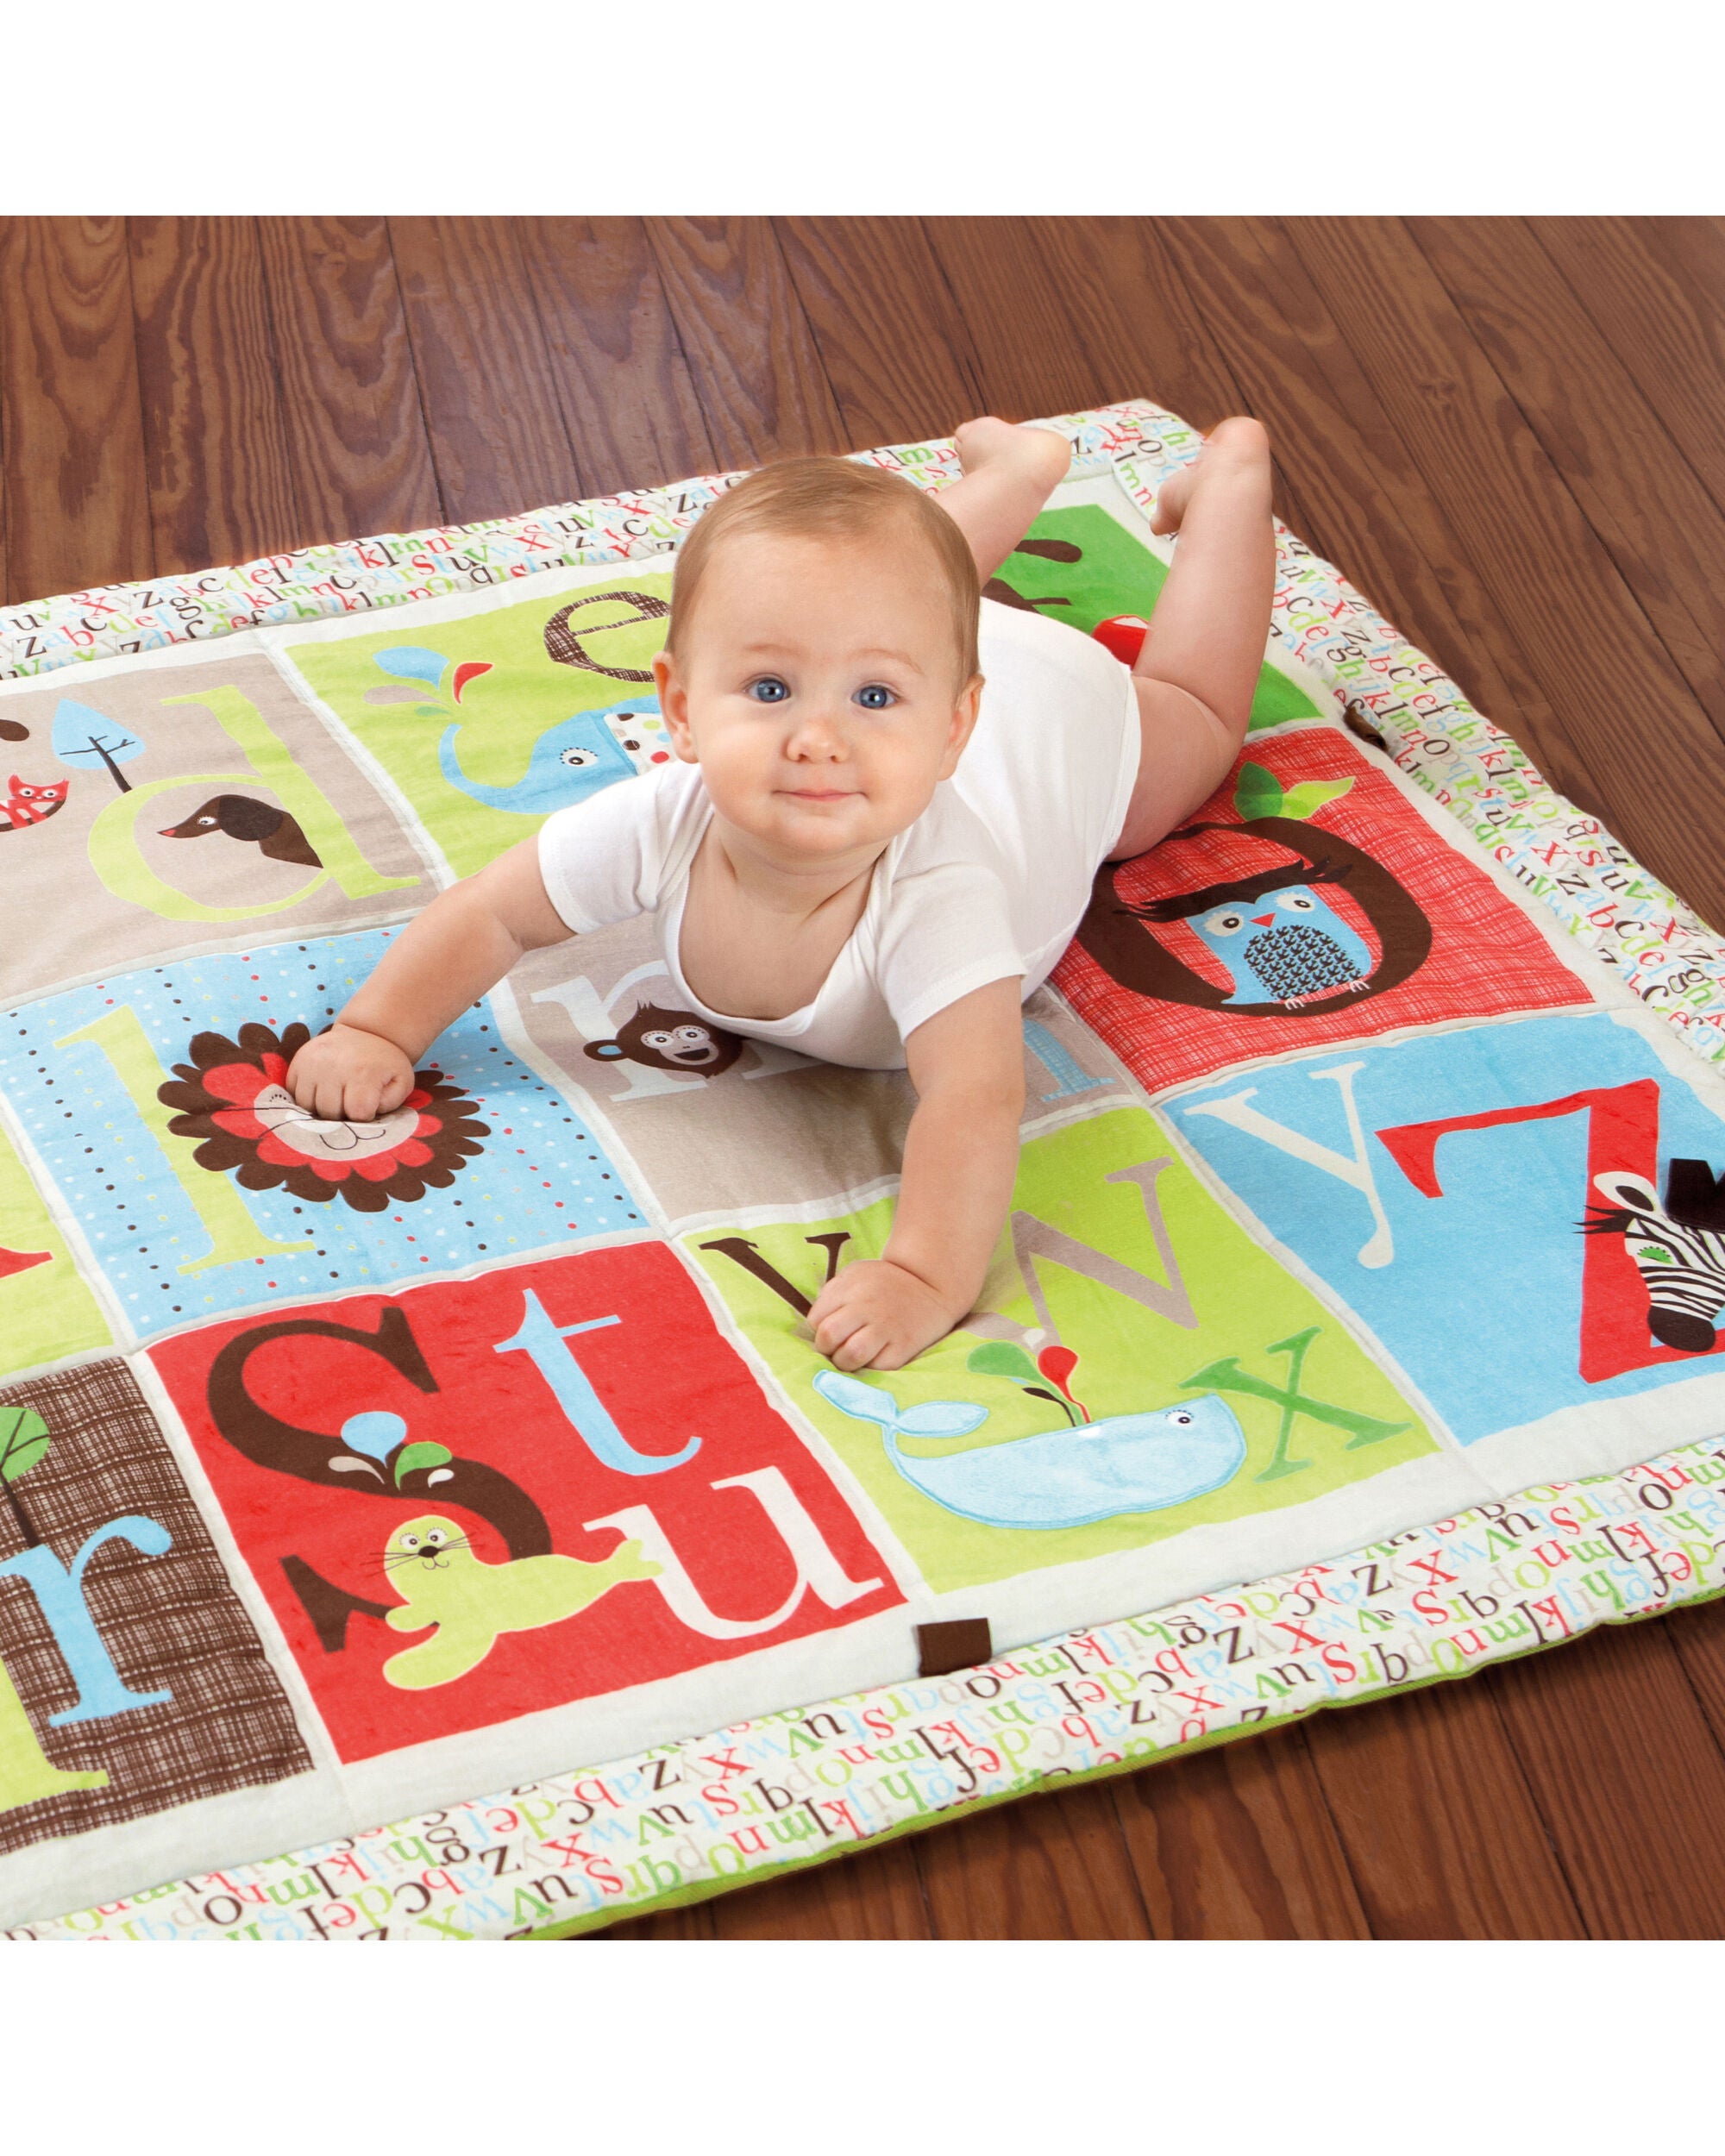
(1368, 1247)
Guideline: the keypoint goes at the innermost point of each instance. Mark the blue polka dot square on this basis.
(154, 1102)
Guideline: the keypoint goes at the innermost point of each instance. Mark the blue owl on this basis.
(1284, 946)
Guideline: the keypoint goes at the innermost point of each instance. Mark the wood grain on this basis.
(1360, 499)
(71, 440)
(1239, 1843)
(1625, 1770)
(1026, 363)
(215, 449)
(1663, 530)
(1047, 1867)
(889, 336)
(356, 436)
(486, 385)
(755, 368)
(1442, 1839)
(633, 416)
(1578, 626)
(1655, 287)
(881, 1897)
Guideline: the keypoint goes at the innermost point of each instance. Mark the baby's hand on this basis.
(346, 1075)
(874, 1314)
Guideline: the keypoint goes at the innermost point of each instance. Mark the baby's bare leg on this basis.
(1009, 472)
(1199, 667)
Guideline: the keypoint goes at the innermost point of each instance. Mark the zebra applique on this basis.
(1683, 1269)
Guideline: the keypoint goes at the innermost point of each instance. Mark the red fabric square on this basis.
(330, 1431)
(1439, 940)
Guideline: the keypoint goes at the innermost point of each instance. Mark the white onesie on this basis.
(990, 881)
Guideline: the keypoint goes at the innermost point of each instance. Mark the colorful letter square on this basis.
(475, 1499)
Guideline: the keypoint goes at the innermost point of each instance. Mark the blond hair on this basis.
(831, 498)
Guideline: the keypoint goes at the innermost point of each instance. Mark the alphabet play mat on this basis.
(1368, 1182)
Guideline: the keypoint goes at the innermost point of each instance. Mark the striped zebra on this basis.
(1683, 1269)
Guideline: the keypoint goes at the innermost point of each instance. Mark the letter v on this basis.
(1380, 1247)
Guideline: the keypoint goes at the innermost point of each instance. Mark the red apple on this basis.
(1123, 635)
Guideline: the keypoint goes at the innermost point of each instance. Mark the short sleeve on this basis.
(948, 931)
(600, 858)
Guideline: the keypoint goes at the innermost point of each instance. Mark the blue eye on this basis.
(875, 696)
(770, 689)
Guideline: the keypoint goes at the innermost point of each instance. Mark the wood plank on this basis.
(1623, 1765)
(1131, 306)
(1637, 490)
(1361, 500)
(755, 368)
(1697, 1635)
(695, 1922)
(216, 451)
(1655, 287)
(486, 385)
(1518, 527)
(1028, 363)
(350, 401)
(70, 423)
(1238, 1843)
(633, 415)
(890, 338)
(1044, 1867)
(1441, 1837)
(876, 1894)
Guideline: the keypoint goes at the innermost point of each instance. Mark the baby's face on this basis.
(818, 692)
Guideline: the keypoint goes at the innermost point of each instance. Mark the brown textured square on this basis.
(961, 1644)
(170, 1623)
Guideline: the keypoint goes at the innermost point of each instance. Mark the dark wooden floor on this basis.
(1512, 437)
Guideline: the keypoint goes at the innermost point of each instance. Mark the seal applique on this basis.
(432, 1563)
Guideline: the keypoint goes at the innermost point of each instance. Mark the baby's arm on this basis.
(463, 944)
(1009, 472)
(961, 1158)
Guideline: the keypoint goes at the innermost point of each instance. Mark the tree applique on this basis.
(84, 738)
(23, 1444)
(233, 1097)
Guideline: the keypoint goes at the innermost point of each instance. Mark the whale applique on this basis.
(1060, 1478)
(577, 757)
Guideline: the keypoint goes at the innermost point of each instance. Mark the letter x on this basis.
(1228, 1377)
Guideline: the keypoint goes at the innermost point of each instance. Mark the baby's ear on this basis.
(673, 703)
(964, 711)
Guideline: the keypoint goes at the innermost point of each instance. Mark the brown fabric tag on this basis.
(960, 1645)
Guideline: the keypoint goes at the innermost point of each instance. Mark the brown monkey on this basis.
(669, 1040)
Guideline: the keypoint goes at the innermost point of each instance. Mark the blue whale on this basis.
(576, 757)
(1060, 1478)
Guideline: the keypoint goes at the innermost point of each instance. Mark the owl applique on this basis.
(1283, 948)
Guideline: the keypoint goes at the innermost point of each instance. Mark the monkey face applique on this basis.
(669, 1040)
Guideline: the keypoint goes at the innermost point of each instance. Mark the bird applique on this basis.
(1284, 947)
(270, 830)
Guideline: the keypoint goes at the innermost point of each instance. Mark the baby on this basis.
(863, 853)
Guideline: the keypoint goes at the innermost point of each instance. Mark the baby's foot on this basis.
(1237, 444)
(1036, 452)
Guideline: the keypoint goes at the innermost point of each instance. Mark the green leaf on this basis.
(1257, 791)
(415, 1456)
(23, 1442)
(1000, 1358)
(1310, 795)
